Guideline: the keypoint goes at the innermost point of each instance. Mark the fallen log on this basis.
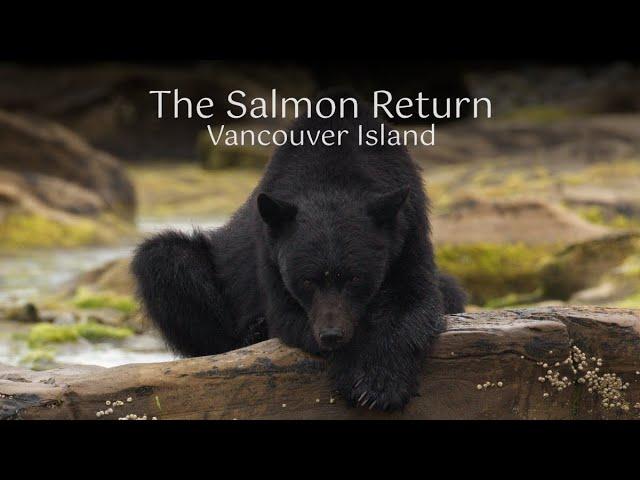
(507, 364)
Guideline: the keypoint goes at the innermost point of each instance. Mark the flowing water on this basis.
(27, 276)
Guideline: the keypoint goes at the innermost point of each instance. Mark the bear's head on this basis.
(333, 252)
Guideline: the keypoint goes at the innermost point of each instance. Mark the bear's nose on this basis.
(331, 337)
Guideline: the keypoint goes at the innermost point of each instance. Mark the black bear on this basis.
(331, 253)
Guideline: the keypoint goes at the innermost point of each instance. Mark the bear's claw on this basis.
(380, 392)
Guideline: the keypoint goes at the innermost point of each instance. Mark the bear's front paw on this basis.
(378, 390)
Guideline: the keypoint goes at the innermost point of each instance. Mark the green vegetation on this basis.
(46, 333)
(515, 300)
(593, 214)
(96, 332)
(624, 223)
(221, 156)
(491, 271)
(187, 189)
(27, 230)
(633, 301)
(39, 359)
(598, 215)
(85, 298)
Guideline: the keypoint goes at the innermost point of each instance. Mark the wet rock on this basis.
(27, 313)
(598, 295)
(617, 287)
(113, 276)
(583, 265)
(147, 342)
(139, 322)
(47, 157)
(65, 318)
(106, 316)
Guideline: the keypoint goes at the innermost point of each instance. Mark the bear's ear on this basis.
(384, 208)
(275, 213)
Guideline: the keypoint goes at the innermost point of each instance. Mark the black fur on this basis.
(332, 239)
(455, 298)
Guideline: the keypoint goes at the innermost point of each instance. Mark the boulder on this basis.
(583, 265)
(114, 276)
(61, 170)
(529, 221)
(56, 190)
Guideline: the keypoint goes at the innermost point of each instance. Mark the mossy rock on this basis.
(493, 271)
(40, 359)
(43, 334)
(106, 295)
(632, 301)
(216, 157)
(583, 265)
(27, 313)
(114, 277)
(88, 299)
(619, 287)
(21, 229)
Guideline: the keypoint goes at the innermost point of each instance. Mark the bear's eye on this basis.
(307, 284)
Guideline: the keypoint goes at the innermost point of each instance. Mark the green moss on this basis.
(87, 299)
(47, 333)
(26, 230)
(39, 359)
(515, 299)
(624, 223)
(166, 190)
(597, 215)
(491, 271)
(630, 269)
(632, 301)
(95, 332)
(592, 214)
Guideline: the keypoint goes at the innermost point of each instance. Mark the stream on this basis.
(27, 276)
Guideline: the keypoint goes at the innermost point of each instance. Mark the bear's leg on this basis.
(381, 368)
(178, 287)
(453, 296)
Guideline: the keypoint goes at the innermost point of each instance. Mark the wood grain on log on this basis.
(271, 381)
